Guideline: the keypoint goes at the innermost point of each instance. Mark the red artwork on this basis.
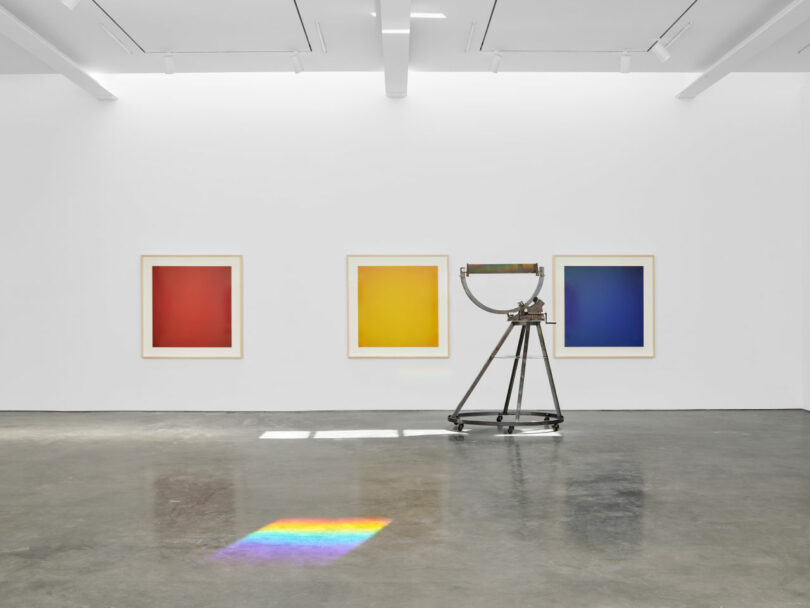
(191, 306)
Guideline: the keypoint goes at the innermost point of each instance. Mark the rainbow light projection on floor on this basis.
(312, 541)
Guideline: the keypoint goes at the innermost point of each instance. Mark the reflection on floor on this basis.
(312, 541)
(620, 509)
(395, 434)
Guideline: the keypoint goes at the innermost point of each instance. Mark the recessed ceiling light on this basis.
(470, 37)
(423, 15)
(320, 36)
(71, 4)
(396, 31)
(680, 33)
(115, 38)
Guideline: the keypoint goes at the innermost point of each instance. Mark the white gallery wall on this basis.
(294, 172)
(806, 240)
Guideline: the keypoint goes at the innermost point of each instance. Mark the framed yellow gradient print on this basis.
(397, 306)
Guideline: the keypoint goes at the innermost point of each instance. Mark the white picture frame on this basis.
(148, 350)
(561, 350)
(354, 350)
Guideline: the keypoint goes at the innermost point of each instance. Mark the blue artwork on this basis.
(604, 306)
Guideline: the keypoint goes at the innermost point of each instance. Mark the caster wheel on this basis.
(556, 427)
(510, 430)
(460, 428)
(499, 418)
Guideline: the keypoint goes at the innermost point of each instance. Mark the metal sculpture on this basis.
(526, 315)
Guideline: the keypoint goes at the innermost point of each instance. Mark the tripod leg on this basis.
(481, 373)
(522, 378)
(514, 370)
(548, 371)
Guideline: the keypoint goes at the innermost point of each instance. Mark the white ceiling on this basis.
(14, 60)
(192, 26)
(531, 35)
(585, 26)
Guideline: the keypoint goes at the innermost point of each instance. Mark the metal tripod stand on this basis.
(526, 316)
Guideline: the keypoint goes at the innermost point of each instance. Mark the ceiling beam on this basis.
(17, 31)
(395, 22)
(777, 27)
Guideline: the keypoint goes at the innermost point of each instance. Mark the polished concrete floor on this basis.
(644, 509)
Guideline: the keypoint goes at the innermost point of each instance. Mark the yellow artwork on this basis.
(398, 306)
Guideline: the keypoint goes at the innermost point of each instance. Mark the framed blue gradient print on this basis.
(604, 306)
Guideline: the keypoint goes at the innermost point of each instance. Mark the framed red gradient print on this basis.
(191, 306)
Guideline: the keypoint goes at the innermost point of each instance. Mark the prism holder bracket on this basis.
(527, 315)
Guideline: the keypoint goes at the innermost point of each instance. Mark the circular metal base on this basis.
(547, 419)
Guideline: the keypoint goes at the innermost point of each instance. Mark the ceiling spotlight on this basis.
(496, 63)
(397, 31)
(71, 4)
(661, 52)
(168, 63)
(625, 63)
(297, 64)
